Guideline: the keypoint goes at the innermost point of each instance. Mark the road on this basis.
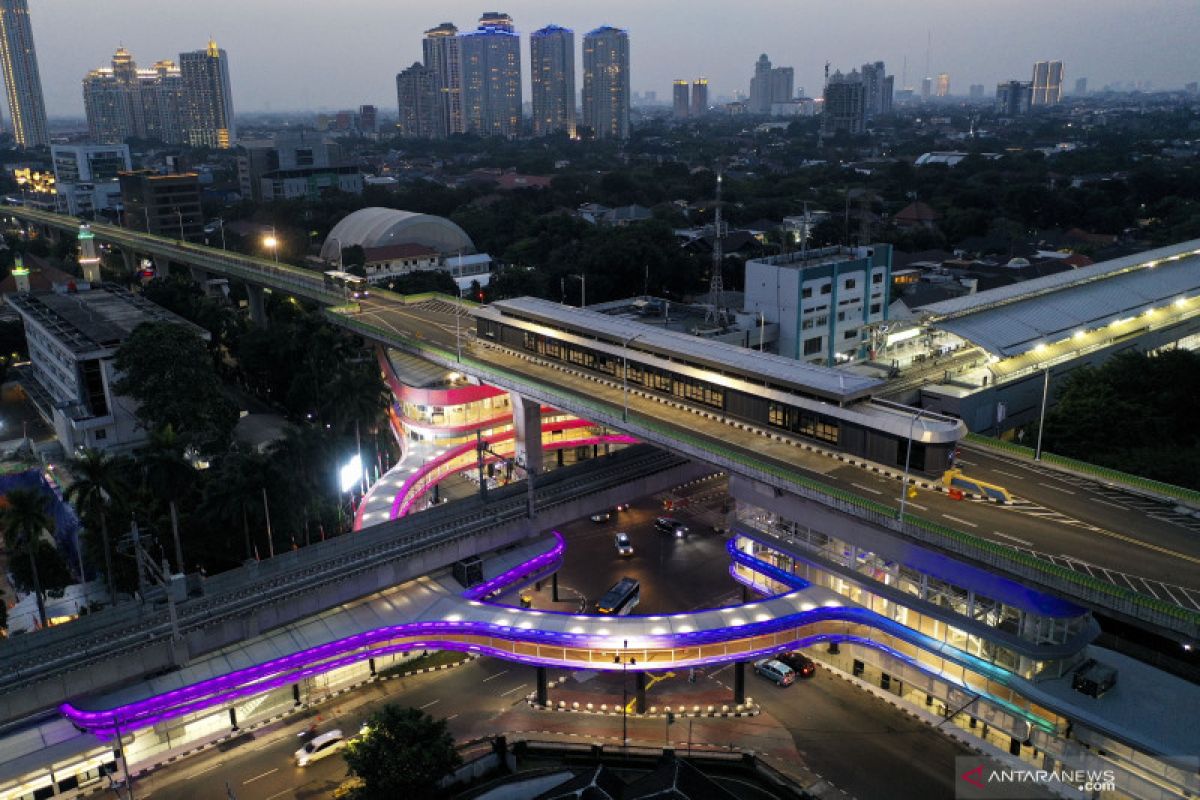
(1061, 519)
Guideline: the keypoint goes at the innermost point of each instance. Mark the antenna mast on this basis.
(716, 284)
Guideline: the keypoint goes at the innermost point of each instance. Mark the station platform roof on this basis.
(1012, 320)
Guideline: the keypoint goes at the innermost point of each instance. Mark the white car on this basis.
(624, 546)
(319, 747)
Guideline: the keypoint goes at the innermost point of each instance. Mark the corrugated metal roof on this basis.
(826, 381)
(1011, 320)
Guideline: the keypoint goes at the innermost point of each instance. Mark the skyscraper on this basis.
(552, 80)
(699, 97)
(845, 104)
(22, 81)
(1047, 83)
(783, 85)
(209, 100)
(418, 100)
(926, 87)
(679, 97)
(443, 58)
(606, 82)
(760, 86)
(1081, 87)
(1013, 97)
(123, 101)
(368, 119)
(877, 88)
(491, 78)
(976, 91)
(943, 84)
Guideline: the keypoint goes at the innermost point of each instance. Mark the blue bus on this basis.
(620, 599)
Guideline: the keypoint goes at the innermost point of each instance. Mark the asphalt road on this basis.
(1062, 520)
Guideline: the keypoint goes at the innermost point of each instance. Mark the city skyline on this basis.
(276, 74)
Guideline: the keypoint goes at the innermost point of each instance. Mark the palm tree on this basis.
(236, 487)
(24, 519)
(167, 475)
(98, 482)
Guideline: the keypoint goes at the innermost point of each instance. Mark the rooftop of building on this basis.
(402, 250)
(93, 318)
(808, 259)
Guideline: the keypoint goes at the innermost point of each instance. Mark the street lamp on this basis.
(625, 374)
(329, 239)
(907, 460)
(179, 212)
(272, 242)
(625, 662)
(1037, 454)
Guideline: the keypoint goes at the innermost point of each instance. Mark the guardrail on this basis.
(31, 658)
(1077, 585)
(1167, 490)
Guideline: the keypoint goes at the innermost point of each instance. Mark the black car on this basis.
(804, 666)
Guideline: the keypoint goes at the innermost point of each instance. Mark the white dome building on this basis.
(381, 227)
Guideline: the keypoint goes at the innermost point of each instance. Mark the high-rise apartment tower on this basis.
(22, 82)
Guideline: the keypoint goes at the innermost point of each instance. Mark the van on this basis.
(320, 746)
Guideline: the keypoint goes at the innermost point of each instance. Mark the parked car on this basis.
(804, 666)
(320, 746)
(775, 671)
(603, 516)
(624, 546)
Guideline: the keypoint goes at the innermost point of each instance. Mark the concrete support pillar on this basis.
(527, 426)
(89, 261)
(131, 261)
(543, 687)
(162, 266)
(739, 683)
(258, 309)
(1014, 746)
(199, 276)
(640, 695)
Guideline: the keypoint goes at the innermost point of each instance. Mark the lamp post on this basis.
(341, 267)
(625, 374)
(582, 289)
(762, 327)
(625, 662)
(1037, 453)
(179, 213)
(221, 224)
(457, 327)
(907, 461)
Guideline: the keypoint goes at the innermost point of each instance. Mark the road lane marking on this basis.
(1014, 538)
(281, 794)
(917, 505)
(1056, 488)
(430, 703)
(514, 689)
(866, 488)
(964, 461)
(961, 521)
(1009, 474)
(209, 769)
(497, 675)
(452, 716)
(256, 777)
(1107, 503)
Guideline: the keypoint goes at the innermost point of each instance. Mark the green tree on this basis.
(98, 485)
(24, 520)
(166, 368)
(405, 753)
(233, 499)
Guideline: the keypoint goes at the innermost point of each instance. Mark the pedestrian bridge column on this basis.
(256, 302)
(739, 683)
(640, 695)
(89, 262)
(527, 427)
(543, 688)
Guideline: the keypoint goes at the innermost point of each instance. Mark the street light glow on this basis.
(271, 242)
(350, 472)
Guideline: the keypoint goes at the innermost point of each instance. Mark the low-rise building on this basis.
(74, 332)
(393, 260)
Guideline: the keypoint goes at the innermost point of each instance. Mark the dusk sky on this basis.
(305, 54)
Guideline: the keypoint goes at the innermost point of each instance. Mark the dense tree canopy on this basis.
(405, 753)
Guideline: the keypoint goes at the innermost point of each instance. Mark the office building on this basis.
(552, 80)
(123, 101)
(491, 78)
(943, 84)
(845, 104)
(926, 88)
(976, 91)
(1081, 89)
(295, 165)
(208, 97)
(878, 89)
(606, 83)
(1013, 97)
(679, 97)
(760, 86)
(699, 97)
(85, 177)
(823, 301)
(443, 58)
(783, 84)
(22, 82)
(1047, 83)
(166, 205)
(73, 335)
(419, 103)
(368, 120)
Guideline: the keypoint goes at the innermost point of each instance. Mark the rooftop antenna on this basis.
(928, 48)
(904, 74)
(716, 283)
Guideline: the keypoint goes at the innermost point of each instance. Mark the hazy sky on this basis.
(311, 54)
